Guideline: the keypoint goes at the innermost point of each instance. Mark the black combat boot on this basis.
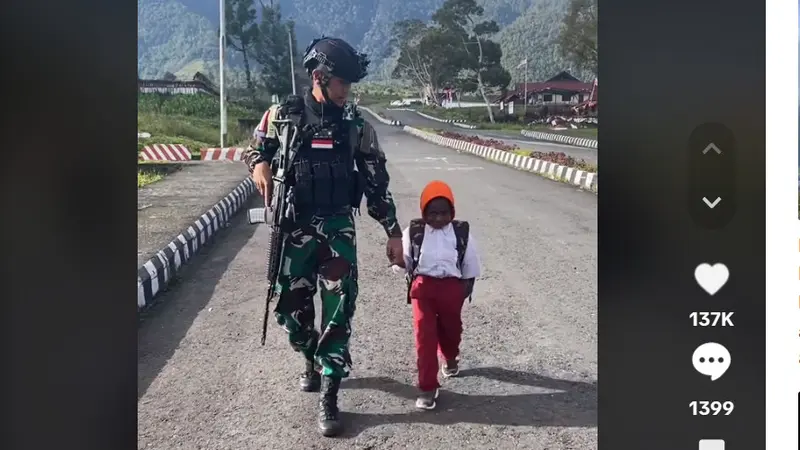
(310, 379)
(329, 423)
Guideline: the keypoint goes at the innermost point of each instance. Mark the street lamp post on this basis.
(223, 123)
(291, 61)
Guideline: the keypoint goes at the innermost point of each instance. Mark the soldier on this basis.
(327, 191)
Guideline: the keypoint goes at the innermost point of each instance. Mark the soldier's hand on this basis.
(262, 177)
(394, 251)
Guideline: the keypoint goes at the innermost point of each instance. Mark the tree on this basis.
(479, 57)
(577, 41)
(423, 56)
(272, 51)
(241, 33)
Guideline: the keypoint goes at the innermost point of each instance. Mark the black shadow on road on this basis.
(575, 407)
(164, 325)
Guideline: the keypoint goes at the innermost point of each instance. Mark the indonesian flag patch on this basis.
(322, 143)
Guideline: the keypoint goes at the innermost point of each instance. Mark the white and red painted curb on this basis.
(552, 137)
(156, 273)
(581, 178)
(165, 152)
(395, 123)
(222, 154)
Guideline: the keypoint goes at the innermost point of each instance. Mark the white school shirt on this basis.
(438, 255)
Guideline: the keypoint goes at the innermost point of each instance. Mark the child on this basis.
(441, 264)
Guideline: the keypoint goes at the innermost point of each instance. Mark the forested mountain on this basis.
(171, 37)
(182, 34)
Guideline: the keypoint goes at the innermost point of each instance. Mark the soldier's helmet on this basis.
(337, 58)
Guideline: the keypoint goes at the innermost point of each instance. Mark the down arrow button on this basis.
(712, 204)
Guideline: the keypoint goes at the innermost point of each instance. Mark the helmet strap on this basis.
(323, 85)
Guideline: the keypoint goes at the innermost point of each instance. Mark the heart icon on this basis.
(711, 278)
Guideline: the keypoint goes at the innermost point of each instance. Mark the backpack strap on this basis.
(461, 230)
(416, 233)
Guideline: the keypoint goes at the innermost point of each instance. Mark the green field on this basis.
(191, 120)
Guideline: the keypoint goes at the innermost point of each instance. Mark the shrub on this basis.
(559, 158)
(563, 159)
(500, 145)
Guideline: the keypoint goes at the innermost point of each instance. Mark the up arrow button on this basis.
(712, 146)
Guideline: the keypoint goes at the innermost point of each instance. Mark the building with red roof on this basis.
(560, 90)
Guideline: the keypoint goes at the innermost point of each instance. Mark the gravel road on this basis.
(529, 357)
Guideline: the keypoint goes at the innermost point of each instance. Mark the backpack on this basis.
(416, 233)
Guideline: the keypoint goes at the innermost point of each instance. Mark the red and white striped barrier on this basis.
(219, 154)
(165, 152)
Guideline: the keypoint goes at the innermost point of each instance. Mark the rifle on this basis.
(279, 215)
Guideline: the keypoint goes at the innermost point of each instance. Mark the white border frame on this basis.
(783, 227)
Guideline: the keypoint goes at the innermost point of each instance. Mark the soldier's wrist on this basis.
(394, 230)
(258, 159)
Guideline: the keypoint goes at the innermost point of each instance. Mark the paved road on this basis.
(415, 120)
(530, 343)
(169, 206)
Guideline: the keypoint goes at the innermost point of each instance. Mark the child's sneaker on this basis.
(450, 368)
(427, 399)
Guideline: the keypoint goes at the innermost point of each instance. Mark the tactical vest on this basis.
(325, 183)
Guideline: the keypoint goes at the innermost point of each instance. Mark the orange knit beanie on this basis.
(433, 190)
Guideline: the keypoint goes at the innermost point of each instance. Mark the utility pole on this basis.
(223, 127)
(291, 60)
(525, 100)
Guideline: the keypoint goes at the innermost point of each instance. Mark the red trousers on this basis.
(437, 304)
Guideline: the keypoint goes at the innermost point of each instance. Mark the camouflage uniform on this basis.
(322, 249)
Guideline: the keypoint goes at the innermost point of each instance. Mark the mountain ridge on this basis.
(176, 34)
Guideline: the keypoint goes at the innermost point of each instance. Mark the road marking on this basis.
(448, 168)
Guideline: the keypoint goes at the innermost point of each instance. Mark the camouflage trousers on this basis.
(320, 251)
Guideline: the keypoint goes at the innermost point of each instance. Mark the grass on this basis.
(193, 132)
(190, 120)
(150, 172)
(147, 178)
(377, 99)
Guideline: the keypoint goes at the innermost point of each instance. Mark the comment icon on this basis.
(711, 359)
